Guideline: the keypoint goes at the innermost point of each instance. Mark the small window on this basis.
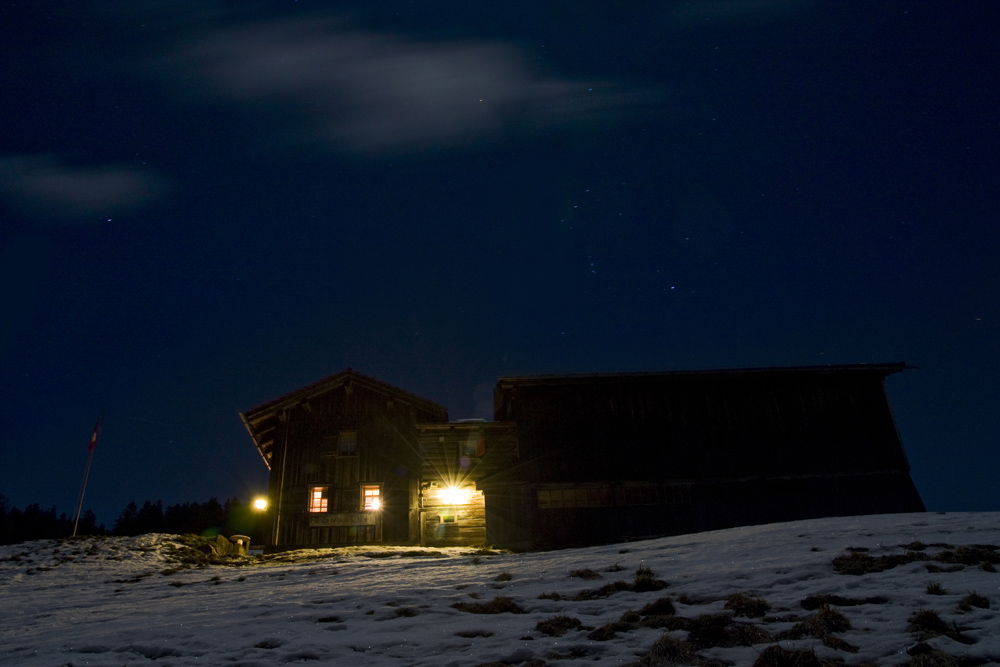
(447, 518)
(471, 448)
(318, 499)
(347, 443)
(371, 499)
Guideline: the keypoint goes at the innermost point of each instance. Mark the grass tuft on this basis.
(469, 634)
(824, 622)
(503, 576)
(926, 623)
(660, 607)
(557, 626)
(935, 588)
(668, 650)
(750, 606)
(498, 605)
(812, 602)
(973, 599)
(585, 573)
(711, 630)
(777, 656)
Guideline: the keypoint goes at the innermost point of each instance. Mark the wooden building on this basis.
(605, 458)
(344, 461)
(581, 459)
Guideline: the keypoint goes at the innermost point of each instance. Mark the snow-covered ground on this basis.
(134, 601)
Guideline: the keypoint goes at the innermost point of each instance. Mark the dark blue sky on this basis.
(205, 205)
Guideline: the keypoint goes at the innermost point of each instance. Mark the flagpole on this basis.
(91, 446)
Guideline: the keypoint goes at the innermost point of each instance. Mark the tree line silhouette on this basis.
(211, 517)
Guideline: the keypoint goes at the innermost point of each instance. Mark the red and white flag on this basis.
(92, 445)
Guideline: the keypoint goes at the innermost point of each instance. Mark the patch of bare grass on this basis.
(645, 581)
(935, 588)
(812, 602)
(498, 605)
(585, 573)
(778, 656)
(973, 599)
(749, 606)
(660, 607)
(574, 653)
(557, 626)
(928, 623)
(857, 561)
(711, 630)
(470, 634)
(824, 622)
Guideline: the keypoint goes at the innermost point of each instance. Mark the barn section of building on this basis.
(581, 459)
(606, 458)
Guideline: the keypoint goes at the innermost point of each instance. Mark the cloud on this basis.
(374, 93)
(46, 186)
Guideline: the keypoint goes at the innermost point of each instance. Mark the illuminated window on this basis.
(347, 443)
(370, 498)
(318, 500)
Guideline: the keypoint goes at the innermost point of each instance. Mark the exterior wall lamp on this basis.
(454, 495)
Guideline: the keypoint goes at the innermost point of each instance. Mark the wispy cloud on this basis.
(373, 93)
(46, 185)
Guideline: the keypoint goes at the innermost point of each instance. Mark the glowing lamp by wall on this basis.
(260, 504)
(454, 495)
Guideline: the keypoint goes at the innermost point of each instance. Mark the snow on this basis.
(115, 601)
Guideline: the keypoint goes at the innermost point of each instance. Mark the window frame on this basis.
(347, 440)
(371, 497)
(318, 501)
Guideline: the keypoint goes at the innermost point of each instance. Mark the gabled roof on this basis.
(882, 369)
(260, 421)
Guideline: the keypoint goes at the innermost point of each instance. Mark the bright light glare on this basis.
(260, 504)
(453, 495)
(375, 503)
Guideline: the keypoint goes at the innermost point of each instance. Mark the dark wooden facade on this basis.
(344, 461)
(605, 458)
(583, 459)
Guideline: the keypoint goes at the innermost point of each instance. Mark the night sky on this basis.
(206, 204)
